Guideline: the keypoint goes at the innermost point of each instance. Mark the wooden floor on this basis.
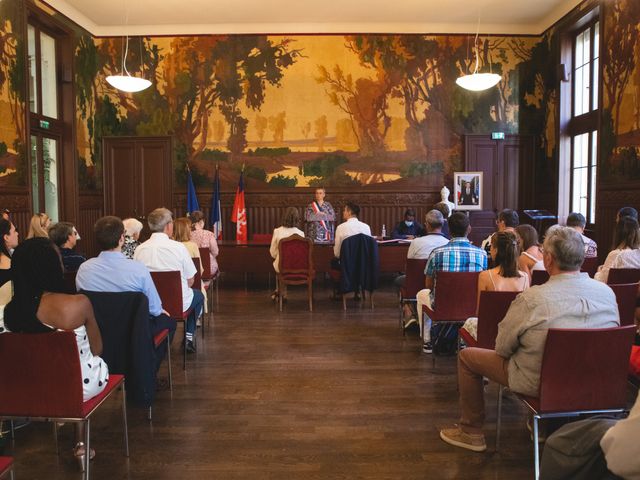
(322, 395)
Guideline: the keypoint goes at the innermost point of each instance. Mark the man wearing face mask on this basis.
(408, 229)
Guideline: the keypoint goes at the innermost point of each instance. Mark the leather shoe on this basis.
(191, 347)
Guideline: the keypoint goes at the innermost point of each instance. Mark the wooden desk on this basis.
(254, 257)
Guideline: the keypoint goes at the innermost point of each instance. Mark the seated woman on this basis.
(504, 277)
(204, 238)
(626, 237)
(182, 233)
(132, 229)
(38, 305)
(290, 222)
(39, 225)
(531, 254)
(8, 241)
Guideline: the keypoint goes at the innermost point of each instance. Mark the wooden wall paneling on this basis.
(91, 208)
(609, 199)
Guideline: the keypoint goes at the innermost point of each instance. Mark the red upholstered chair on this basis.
(42, 372)
(169, 288)
(590, 266)
(413, 283)
(208, 278)
(623, 275)
(295, 265)
(579, 377)
(261, 237)
(492, 309)
(538, 277)
(6, 466)
(626, 294)
(455, 298)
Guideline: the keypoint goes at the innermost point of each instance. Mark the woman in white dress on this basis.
(39, 306)
(290, 222)
(626, 237)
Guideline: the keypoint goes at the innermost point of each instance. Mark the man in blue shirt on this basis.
(65, 236)
(111, 271)
(459, 255)
(408, 229)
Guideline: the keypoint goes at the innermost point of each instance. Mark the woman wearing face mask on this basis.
(408, 229)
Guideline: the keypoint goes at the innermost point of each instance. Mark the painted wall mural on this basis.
(13, 168)
(361, 110)
(620, 124)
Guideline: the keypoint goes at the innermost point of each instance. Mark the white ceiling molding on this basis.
(187, 17)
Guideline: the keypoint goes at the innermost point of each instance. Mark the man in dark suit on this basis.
(468, 195)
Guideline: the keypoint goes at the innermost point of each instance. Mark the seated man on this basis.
(161, 254)
(421, 248)
(459, 255)
(507, 221)
(443, 208)
(408, 229)
(577, 221)
(350, 226)
(111, 271)
(569, 299)
(65, 236)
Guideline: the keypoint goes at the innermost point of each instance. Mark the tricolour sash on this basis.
(316, 209)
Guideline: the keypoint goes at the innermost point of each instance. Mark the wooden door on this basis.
(137, 175)
(507, 165)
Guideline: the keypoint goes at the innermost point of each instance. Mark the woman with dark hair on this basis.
(531, 253)
(39, 306)
(204, 238)
(290, 222)
(505, 276)
(626, 236)
(8, 241)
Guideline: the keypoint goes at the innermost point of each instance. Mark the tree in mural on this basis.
(261, 124)
(321, 131)
(620, 43)
(365, 100)
(277, 125)
(12, 76)
(305, 129)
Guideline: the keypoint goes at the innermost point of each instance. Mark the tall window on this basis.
(45, 126)
(584, 120)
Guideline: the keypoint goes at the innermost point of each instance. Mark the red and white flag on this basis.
(239, 212)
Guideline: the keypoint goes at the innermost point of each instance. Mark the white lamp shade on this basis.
(127, 83)
(478, 81)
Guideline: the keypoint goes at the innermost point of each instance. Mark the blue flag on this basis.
(216, 211)
(192, 200)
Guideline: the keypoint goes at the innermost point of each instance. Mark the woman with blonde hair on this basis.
(39, 225)
(182, 233)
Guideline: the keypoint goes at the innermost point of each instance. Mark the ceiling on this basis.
(174, 17)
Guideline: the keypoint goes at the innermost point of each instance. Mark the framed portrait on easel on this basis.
(468, 190)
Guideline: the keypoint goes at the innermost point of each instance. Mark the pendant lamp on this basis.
(127, 82)
(477, 82)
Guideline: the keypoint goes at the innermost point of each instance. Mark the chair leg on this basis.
(13, 430)
(499, 417)
(150, 414)
(536, 448)
(124, 420)
(169, 364)
(310, 290)
(55, 436)
(371, 299)
(280, 293)
(12, 475)
(344, 302)
(184, 350)
(87, 448)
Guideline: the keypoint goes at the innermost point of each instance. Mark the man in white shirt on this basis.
(351, 226)
(161, 254)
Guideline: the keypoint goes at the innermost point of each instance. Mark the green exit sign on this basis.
(497, 136)
(44, 124)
